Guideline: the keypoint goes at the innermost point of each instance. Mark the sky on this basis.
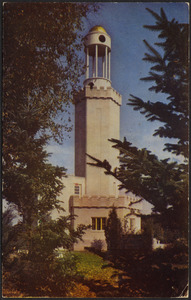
(124, 22)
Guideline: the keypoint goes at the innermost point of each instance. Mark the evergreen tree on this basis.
(170, 74)
(113, 231)
(8, 234)
(161, 182)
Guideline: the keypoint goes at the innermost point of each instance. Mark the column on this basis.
(96, 60)
(103, 67)
(93, 66)
(87, 63)
(109, 77)
(106, 52)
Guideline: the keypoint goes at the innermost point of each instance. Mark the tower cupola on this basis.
(98, 57)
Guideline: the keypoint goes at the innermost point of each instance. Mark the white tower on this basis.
(97, 119)
(97, 116)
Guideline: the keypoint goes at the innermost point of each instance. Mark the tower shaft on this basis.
(97, 118)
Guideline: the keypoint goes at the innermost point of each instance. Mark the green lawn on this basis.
(100, 278)
(92, 266)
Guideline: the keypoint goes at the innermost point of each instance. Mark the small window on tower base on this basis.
(98, 223)
(76, 189)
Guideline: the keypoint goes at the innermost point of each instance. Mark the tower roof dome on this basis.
(98, 28)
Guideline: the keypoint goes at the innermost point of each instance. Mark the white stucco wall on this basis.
(97, 118)
(156, 244)
(67, 191)
(86, 208)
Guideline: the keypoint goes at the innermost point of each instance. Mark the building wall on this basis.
(157, 244)
(69, 182)
(80, 136)
(86, 208)
(97, 118)
(99, 124)
(132, 223)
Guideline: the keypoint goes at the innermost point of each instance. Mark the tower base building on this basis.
(94, 211)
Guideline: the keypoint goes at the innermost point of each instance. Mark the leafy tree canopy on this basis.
(41, 63)
(41, 70)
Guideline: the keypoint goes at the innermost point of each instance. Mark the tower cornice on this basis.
(99, 93)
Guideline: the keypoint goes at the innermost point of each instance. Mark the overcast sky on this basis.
(124, 23)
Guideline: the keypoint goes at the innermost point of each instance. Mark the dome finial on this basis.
(98, 28)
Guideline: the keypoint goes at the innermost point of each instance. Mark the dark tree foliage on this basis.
(8, 234)
(113, 231)
(41, 70)
(41, 62)
(30, 256)
(161, 182)
(170, 74)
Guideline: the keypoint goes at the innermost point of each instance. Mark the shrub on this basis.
(97, 245)
(36, 269)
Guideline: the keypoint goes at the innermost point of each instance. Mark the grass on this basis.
(97, 277)
(143, 276)
(92, 266)
(100, 279)
(139, 278)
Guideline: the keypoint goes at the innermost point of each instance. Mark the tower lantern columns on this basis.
(106, 61)
(97, 45)
(103, 66)
(96, 69)
(96, 60)
(93, 66)
(109, 69)
(87, 63)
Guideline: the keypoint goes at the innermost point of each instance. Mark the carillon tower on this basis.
(97, 119)
(97, 116)
(91, 193)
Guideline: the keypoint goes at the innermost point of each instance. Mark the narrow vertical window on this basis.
(98, 223)
(103, 223)
(93, 224)
(77, 189)
(132, 223)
